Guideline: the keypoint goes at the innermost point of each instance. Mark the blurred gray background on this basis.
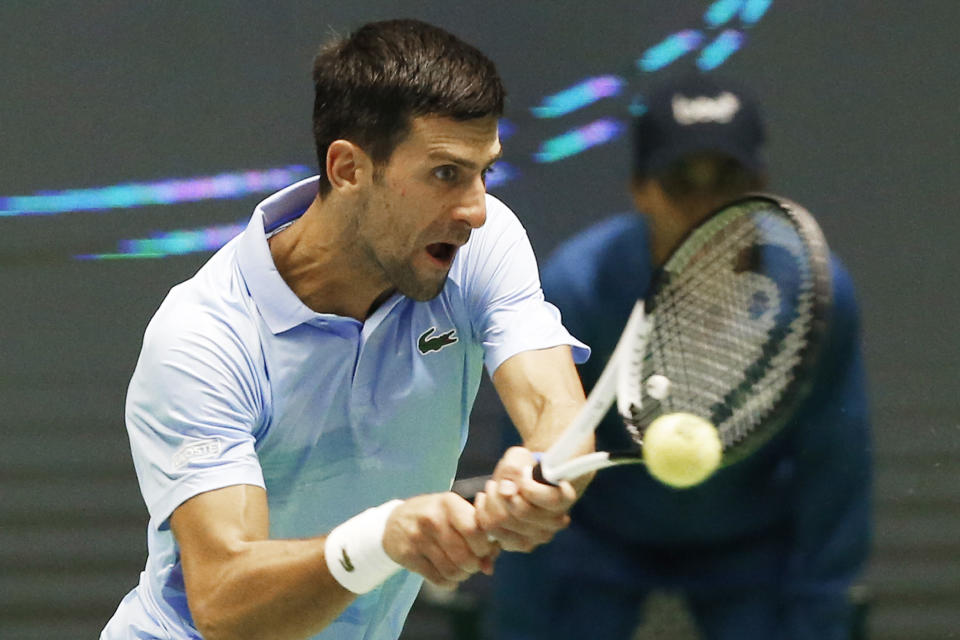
(862, 101)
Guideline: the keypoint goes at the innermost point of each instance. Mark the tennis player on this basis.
(767, 547)
(300, 404)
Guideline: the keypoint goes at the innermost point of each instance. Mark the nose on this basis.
(473, 208)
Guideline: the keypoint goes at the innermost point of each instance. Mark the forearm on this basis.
(548, 425)
(240, 584)
(266, 589)
(542, 394)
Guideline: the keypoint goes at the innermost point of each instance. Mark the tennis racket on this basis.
(730, 331)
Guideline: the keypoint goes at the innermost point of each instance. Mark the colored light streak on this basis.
(669, 50)
(717, 52)
(506, 129)
(579, 140)
(164, 192)
(721, 12)
(578, 96)
(171, 243)
(163, 244)
(753, 10)
(502, 173)
(243, 183)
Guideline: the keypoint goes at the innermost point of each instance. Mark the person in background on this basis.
(300, 404)
(766, 548)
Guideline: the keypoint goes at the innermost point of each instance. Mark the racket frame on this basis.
(559, 463)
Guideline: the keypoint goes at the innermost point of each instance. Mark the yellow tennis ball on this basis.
(681, 449)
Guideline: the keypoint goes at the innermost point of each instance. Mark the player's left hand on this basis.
(516, 510)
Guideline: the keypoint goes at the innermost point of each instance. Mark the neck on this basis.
(314, 257)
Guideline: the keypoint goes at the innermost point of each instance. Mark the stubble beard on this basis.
(401, 273)
(413, 285)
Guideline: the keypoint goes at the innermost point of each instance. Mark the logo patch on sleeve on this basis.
(196, 450)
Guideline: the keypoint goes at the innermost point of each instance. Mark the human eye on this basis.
(446, 173)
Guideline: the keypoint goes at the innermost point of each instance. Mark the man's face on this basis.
(428, 198)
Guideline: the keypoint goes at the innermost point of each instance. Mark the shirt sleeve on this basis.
(501, 285)
(192, 407)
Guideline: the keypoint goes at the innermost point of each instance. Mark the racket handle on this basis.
(467, 488)
(539, 477)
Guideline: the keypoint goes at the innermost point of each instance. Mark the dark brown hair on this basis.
(369, 85)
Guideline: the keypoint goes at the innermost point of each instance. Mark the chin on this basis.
(423, 293)
(422, 289)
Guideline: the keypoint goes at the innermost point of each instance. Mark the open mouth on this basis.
(442, 252)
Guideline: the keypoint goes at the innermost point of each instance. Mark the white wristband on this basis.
(354, 550)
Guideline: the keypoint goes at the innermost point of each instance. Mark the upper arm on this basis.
(212, 527)
(500, 283)
(541, 391)
(193, 405)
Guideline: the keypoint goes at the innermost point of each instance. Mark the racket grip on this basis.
(539, 477)
(467, 488)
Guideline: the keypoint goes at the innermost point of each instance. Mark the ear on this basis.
(347, 165)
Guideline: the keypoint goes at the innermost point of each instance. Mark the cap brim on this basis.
(661, 161)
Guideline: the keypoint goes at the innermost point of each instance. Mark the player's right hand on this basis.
(437, 536)
(516, 510)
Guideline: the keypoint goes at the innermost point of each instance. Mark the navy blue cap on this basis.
(697, 114)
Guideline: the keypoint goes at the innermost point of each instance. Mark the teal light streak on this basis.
(753, 10)
(171, 243)
(579, 140)
(578, 96)
(668, 50)
(721, 12)
(165, 192)
(717, 52)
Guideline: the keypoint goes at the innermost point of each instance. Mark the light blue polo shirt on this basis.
(238, 382)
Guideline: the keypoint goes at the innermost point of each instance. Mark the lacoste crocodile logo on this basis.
(345, 560)
(426, 343)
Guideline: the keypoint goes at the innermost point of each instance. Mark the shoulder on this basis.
(501, 240)
(209, 316)
(844, 290)
(845, 309)
(603, 252)
(604, 241)
(501, 220)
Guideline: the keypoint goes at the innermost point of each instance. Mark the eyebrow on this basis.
(463, 162)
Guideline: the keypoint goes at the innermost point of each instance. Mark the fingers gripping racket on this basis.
(729, 332)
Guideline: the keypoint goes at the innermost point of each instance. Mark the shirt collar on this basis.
(278, 304)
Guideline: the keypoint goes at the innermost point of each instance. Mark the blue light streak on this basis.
(721, 12)
(753, 10)
(502, 173)
(579, 140)
(140, 194)
(669, 50)
(178, 242)
(578, 96)
(163, 244)
(243, 183)
(717, 52)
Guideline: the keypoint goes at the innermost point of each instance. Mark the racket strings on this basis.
(687, 315)
(726, 336)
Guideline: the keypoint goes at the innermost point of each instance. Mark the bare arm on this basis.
(240, 584)
(542, 393)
